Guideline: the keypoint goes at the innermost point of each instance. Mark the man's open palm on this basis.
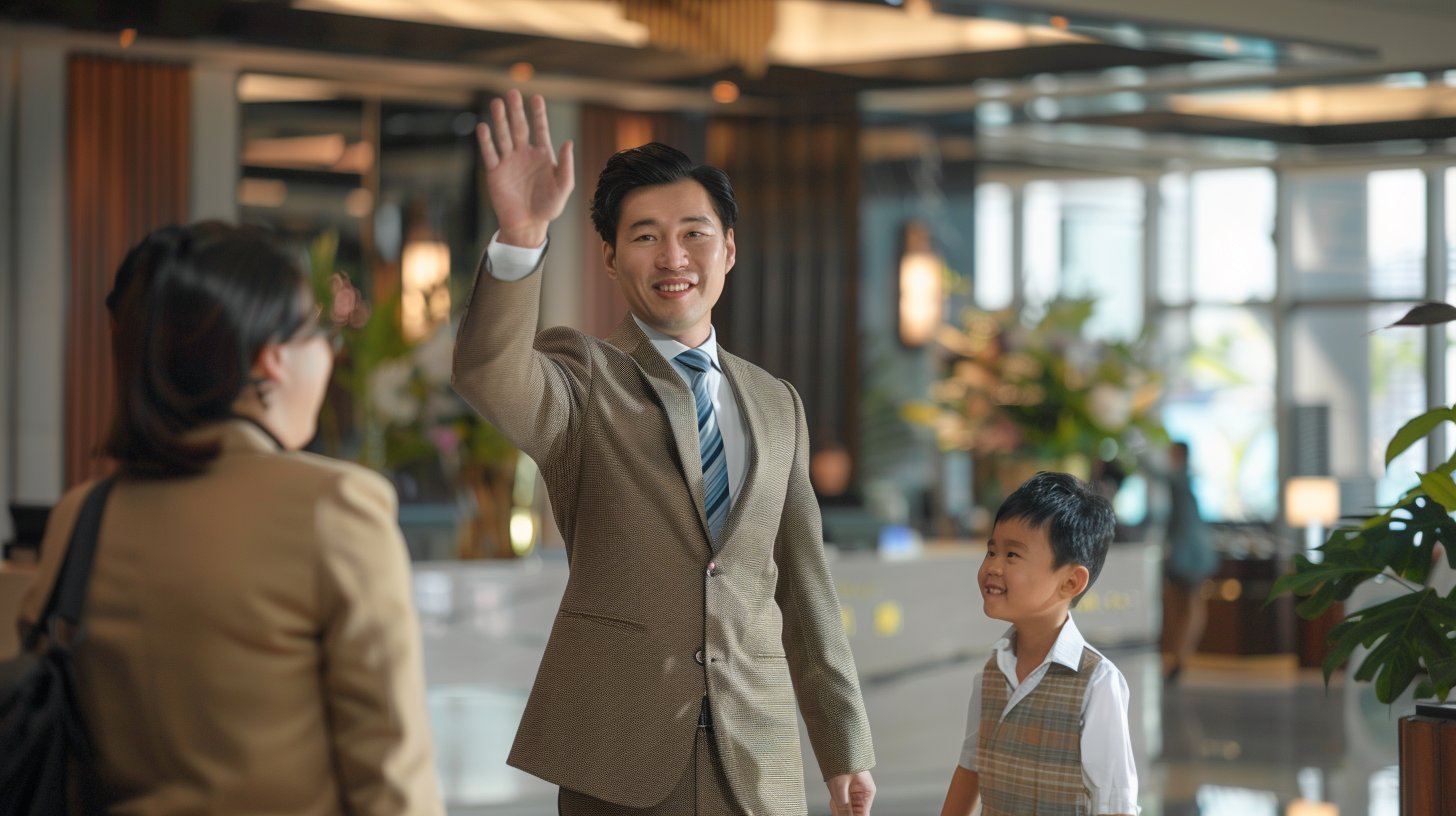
(527, 181)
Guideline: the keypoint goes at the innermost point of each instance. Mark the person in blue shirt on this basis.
(1191, 561)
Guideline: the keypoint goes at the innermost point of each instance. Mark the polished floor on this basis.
(1235, 737)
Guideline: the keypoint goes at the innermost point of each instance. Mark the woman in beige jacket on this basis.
(250, 646)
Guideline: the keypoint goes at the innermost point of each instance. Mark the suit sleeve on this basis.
(820, 662)
(373, 675)
(531, 392)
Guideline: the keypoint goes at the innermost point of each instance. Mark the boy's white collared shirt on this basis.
(1108, 768)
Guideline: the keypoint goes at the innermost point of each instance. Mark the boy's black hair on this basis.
(1079, 523)
(652, 165)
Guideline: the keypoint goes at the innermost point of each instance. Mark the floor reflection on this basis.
(1236, 737)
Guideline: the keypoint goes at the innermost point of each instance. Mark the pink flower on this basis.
(445, 438)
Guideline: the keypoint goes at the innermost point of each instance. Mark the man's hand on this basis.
(528, 184)
(851, 794)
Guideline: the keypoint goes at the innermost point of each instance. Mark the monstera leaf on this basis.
(1415, 430)
(1407, 636)
(1400, 540)
(1404, 635)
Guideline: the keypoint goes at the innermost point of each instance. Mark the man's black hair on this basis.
(1079, 523)
(652, 165)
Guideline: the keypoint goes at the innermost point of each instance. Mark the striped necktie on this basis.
(710, 441)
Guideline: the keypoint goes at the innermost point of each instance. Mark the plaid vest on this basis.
(1031, 761)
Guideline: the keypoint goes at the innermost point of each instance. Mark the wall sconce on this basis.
(1312, 502)
(921, 296)
(425, 295)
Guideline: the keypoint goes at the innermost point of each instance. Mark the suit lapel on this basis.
(737, 373)
(676, 400)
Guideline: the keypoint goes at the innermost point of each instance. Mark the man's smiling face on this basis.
(671, 258)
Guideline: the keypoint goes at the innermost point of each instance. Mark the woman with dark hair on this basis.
(250, 643)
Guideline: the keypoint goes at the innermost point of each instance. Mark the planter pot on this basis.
(1428, 762)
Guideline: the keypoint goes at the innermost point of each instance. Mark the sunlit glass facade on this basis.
(1262, 290)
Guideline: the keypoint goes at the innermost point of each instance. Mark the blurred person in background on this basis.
(1191, 561)
(250, 643)
(830, 471)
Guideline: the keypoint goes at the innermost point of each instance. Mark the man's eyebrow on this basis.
(687, 219)
(1010, 542)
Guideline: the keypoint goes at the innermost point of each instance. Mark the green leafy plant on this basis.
(394, 394)
(1411, 638)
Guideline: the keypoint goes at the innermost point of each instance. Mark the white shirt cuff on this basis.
(1116, 801)
(512, 263)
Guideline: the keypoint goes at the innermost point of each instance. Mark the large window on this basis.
(1357, 263)
(1220, 401)
(1216, 281)
(1084, 239)
(1354, 261)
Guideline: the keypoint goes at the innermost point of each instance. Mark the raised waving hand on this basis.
(528, 182)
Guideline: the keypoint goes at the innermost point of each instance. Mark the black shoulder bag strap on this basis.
(68, 596)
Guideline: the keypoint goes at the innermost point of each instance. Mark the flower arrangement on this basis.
(1044, 392)
(392, 407)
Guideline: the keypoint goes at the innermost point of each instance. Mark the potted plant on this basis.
(392, 408)
(1410, 638)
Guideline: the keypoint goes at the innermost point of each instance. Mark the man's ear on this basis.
(732, 251)
(609, 258)
(1076, 581)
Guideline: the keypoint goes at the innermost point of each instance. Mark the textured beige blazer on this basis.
(251, 646)
(615, 706)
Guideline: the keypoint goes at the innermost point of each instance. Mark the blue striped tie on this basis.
(710, 442)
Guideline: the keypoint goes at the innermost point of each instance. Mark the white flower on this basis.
(436, 355)
(1110, 407)
(390, 392)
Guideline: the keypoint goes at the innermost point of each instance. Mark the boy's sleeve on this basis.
(1107, 760)
(973, 725)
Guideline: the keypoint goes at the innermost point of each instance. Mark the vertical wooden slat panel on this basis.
(605, 131)
(790, 302)
(128, 163)
(790, 305)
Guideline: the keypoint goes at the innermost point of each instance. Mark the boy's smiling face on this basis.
(1019, 579)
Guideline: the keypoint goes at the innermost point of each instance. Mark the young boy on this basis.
(1047, 730)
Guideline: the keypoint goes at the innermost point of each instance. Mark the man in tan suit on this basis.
(699, 603)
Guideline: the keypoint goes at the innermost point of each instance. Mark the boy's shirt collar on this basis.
(1067, 650)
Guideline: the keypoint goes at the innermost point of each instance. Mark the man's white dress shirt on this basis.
(512, 263)
(1108, 768)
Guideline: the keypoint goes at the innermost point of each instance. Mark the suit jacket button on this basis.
(712, 567)
(699, 657)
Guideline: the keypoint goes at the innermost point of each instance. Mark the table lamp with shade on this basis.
(1312, 502)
